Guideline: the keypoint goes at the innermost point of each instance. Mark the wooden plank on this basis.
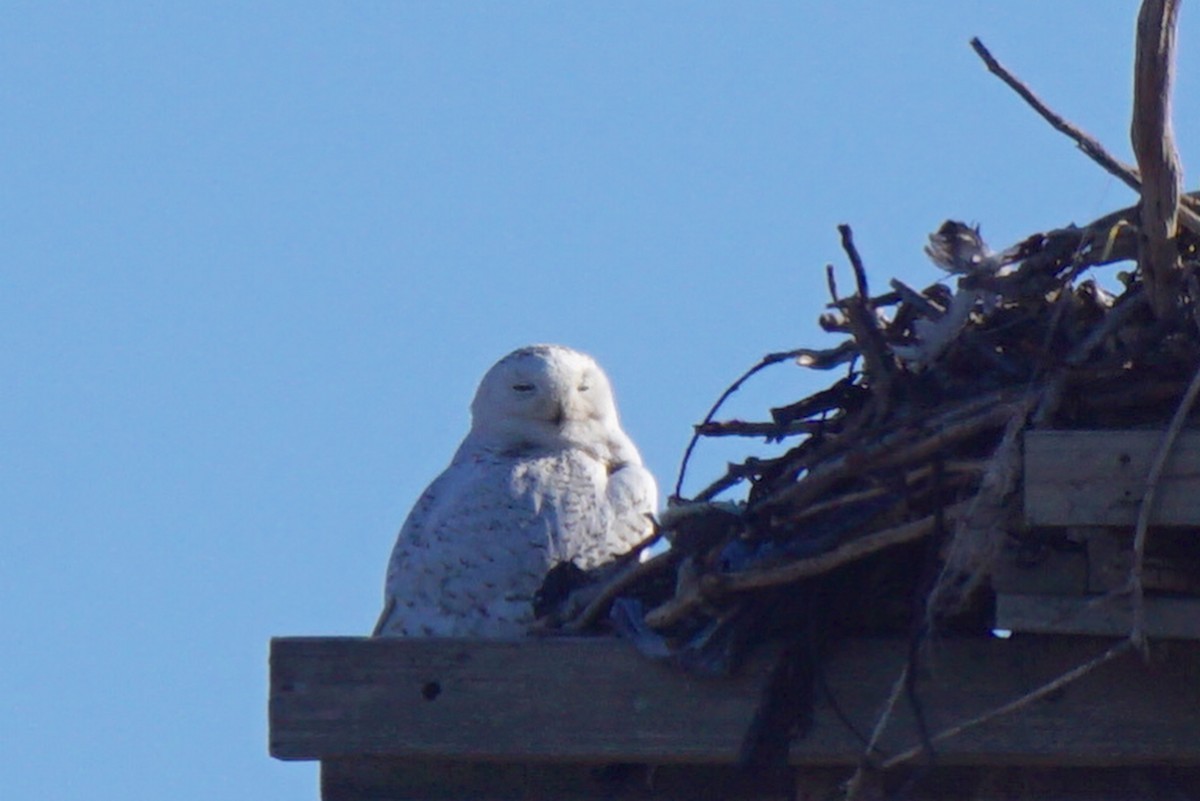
(384, 779)
(1172, 618)
(1059, 573)
(1097, 478)
(375, 778)
(589, 699)
(597, 701)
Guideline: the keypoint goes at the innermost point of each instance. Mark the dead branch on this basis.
(1128, 174)
(843, 554)
(773, 431)
(904, 445)
(629, 576)
(880, 364)
(1154, 147)
(765, 362)
(1085, 142)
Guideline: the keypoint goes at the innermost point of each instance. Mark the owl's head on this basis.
(546, 397)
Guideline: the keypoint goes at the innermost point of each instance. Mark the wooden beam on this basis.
(594, 701)
(1098, 478)
(584, 699)
(1172, 618)
(384, 779)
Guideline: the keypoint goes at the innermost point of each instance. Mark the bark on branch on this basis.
(1158, 161)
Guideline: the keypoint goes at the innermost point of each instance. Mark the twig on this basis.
(969, 468)
(880, 365)
(827, 358)
(1154, 147)
(823, 563)
(1088, 144)
(979, 532)
(735, 473)
(767, 361)
(774, 431)
(856, 262)
(632, 574)
(914, 298)
(1113, 321)
(907, 444)
(1013, 706)
(1138, 633)
(713, 584)
(855, 785)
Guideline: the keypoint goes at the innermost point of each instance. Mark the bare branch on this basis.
(1154, 146)
(1084, 141)
(1041, 692)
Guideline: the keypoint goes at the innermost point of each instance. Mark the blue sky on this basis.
(256, 257)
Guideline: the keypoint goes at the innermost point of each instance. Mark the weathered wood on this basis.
(597, 701)
(378, 778)
(1158, 161)
(1177, 618)
(1109, 559)
(556, 699)
(381, 779)
(1098, 478)
(1058, 573)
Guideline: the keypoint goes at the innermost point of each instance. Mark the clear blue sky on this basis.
(256, 256)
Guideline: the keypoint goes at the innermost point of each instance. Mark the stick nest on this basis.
(912, 457)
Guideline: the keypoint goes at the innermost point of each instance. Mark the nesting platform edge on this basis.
(581, 701)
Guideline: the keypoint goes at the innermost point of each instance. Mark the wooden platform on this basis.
(586, 719)
(1098, 478)
(409, 710)
(1089, 485)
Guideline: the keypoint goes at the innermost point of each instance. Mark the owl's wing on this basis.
(633, 497)
(470, 556)
(429, 508)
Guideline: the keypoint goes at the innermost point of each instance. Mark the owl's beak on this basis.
(560, 414)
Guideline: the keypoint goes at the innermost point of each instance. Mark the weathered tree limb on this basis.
(823, 563)
(1158, 161)
(1128, 174)
(765, 362)
(965, 469)
(714, 585)
(914, 298)
(1084, 141)
(630, 575)
(735, 473)
(740, 428)
(879, 362)
(906, 445)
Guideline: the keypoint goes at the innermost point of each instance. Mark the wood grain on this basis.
(1177, 618)
(1098, 478)
(592, 701)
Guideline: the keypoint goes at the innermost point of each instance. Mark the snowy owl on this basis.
(544, 476)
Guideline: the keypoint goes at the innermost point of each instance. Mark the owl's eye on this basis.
(523, 387)
(583, 387)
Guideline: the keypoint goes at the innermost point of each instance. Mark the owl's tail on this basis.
(388, 606)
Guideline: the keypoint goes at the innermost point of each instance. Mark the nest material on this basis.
(918, 442)
(908, 466)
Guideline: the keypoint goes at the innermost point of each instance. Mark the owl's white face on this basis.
(545, 396)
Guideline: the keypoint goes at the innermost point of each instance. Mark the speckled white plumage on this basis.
(545, 475)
